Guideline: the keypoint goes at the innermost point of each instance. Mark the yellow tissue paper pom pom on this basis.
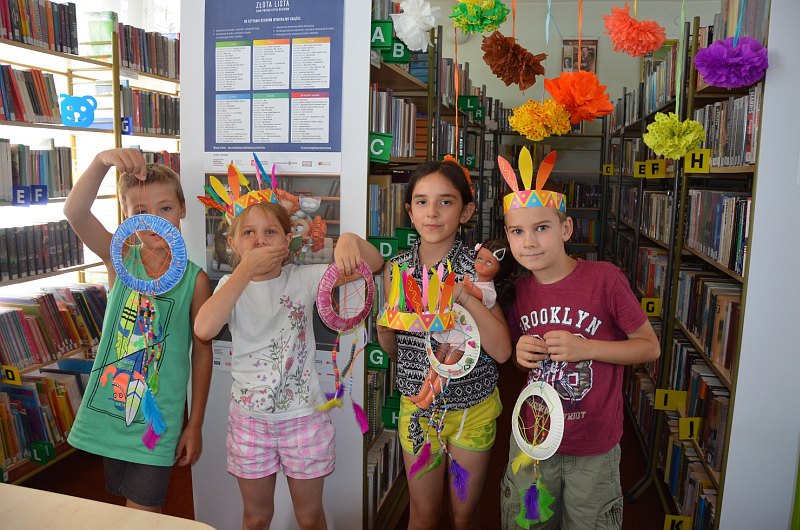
(669, 137)
(537, 121)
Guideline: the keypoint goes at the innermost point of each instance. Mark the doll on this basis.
(492, 258)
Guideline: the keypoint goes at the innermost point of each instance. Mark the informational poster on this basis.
(273, 78)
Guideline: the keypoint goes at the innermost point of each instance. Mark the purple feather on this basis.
(150, 438)
(460, 479)
(422, 460)
(361, 418)
(335, 395)
(727, 66)
(532, 503)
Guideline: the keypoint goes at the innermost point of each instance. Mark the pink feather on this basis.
(460, 479)
(361, 418)
(422, 460)
(150, 438)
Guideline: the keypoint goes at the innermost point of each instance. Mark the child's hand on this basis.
(564, 346)
(127, 160)
(347, 254)
(262, 260)
(189, 447)
(530, 351)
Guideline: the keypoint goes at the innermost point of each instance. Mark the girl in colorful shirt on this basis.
(274, 423)
(438, 200)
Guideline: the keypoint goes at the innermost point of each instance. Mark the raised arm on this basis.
(350, 249)
(78, 206)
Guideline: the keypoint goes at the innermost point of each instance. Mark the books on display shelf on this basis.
(585, 230)
(38, 249)
(48, 325)
(386, 206)
(718, 226)
(22, 165)
(28, 95)
(656, 214)
(384, 465)
(652, 271)
(732, 128)
(41, 23)
(395, 116)
(658, 74)
(151, 112)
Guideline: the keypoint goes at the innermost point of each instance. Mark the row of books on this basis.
(40, 23)
(626, 111)
(585, 230)
(684, 475)
(46, 326)
(581, 194)
(21, 165)
(658, 73)
(656, 214)
(395, 116)
(732, 128)
(384, 466)
(28, 96)
(640, 393)
(151, 112)
(38, 249)
(708, 306)
(378, 387)
(41, 409)
(165, 158)
(651, 271)
(146, 51)
(718, 226)
(631, 149)
(386, 206)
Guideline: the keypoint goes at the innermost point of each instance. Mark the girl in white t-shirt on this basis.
(273, 423)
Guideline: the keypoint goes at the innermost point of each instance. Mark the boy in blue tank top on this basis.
(142, 334)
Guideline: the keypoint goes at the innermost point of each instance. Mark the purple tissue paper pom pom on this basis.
(727, 66)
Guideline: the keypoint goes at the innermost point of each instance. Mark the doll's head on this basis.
(493, 260)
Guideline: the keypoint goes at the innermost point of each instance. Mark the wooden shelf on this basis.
(25, 469)
(724, 374)
(718, 266)
(76, 268)
(67, 355)
(389, 75)
(55, 126)
(713, 474)
(392, 506)
(28, 56)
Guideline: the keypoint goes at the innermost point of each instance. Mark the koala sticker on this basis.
(77, 111)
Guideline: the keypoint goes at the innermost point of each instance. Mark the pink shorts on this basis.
(302, 448)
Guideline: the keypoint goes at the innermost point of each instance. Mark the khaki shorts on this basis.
(473, 429)
(586, 490)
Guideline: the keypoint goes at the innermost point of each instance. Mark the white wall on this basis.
(616, 70)
(216, 494)
(763, 451)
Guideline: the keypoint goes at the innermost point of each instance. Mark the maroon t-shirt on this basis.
(594, 302)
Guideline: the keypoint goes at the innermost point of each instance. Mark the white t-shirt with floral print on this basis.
(274, 375)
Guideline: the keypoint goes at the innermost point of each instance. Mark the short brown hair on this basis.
(270, 208)
(156, 174)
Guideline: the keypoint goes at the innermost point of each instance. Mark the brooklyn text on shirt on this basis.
(560, 315)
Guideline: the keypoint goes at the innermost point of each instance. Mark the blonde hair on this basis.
(156, 174)
(266, 208)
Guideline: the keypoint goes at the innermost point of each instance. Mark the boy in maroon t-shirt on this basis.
(584, 318)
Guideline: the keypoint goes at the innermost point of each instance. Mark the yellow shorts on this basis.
(473, 429)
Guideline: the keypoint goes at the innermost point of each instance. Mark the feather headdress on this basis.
(529, 197)
(235, 202)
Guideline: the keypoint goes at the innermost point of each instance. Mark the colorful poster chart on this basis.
(273, 81)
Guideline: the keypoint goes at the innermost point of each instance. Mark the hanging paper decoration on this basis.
(581, 94)
(669, 137)
(730, 64)
(479, 16)
(634, 37)
(537, 121)
(511, 62)
(413, 24)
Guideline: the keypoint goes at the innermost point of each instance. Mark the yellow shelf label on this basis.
(689, 428)
(608, 170)
(10, 375)
(697, 161)
(677, 522)
(669, 399)
(650, 169)
(652, 306)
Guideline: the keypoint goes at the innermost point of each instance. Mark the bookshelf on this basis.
(684, 240)
(58, 327)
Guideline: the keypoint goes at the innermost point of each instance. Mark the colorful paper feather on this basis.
(460, 479)
(133, 398)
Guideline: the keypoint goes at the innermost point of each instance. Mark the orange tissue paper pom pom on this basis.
(632, 36)
(581, 94)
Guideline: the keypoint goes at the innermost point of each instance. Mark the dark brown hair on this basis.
(450, 170)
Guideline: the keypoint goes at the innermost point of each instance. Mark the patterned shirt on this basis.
(412, 361)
